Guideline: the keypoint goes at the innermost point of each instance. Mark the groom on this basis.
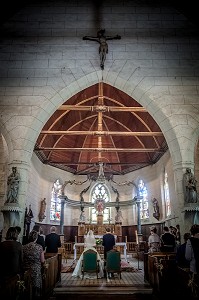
(108, 241)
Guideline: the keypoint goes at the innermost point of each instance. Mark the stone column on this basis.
(62, 215)
(138, 201)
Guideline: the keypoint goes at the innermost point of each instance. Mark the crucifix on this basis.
(102, 40)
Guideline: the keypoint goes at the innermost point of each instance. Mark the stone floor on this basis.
(131, 285)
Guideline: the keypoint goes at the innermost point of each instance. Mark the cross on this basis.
(103, 48)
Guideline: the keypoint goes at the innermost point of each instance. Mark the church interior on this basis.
(99, 129)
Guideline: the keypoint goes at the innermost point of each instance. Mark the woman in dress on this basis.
(153, 240)
(90, 243)
(33, 256)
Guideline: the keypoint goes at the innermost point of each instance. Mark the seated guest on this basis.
(90, 243)
(11, 256)
(52, 241)
(40, 239)
(33, 260)
(180, 255)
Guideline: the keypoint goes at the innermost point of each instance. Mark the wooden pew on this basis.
(22, 287)
(9, 288)
(17, 287)
(160, 270)
(51, 273)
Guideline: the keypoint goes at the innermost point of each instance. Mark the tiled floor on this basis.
(131, 286)
(133, 279)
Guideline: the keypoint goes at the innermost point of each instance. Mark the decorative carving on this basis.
(75, 182)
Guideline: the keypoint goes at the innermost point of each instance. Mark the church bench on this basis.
(51, 272)
(160, 270)
(17, 287)
(9, 288)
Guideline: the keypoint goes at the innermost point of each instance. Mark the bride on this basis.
(90, 243)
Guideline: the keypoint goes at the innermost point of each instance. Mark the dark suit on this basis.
(40, 241)
(108, 242)
(52, 242)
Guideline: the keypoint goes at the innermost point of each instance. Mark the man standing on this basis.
(168, 241)
(40, 239)
(52, 241)
(108, 242)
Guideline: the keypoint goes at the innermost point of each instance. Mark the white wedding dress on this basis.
(89, 244)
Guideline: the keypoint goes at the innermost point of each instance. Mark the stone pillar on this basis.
(138, 201)
(62, 215)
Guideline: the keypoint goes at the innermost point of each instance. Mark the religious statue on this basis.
(99, 206)
(103, 48)
(189, 185)
(58, 187)
(27, 220)
(82, 217)
(13, 186)
(42, 210)
(118, 217)
(156, 208)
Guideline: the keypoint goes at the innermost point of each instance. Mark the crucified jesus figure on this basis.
(103, 48)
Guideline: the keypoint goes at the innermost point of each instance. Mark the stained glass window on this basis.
(144, 205)
(99, 194)
(166, 195)
(55, 207)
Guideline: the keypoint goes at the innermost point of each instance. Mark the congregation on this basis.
(16, 258)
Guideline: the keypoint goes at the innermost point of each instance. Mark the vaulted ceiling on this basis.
(100, 124)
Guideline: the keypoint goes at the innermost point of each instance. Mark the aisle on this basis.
(130, 285)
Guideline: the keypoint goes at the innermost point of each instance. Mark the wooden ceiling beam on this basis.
(99, 149)
(95, 165)
(102, 108)
(99, 132)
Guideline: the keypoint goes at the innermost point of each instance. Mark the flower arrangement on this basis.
(98, 241)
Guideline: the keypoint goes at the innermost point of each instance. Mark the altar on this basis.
(117, 245)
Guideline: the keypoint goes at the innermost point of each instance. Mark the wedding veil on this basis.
(90, 239)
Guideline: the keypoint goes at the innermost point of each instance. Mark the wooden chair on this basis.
(113, 263)
(90, 263)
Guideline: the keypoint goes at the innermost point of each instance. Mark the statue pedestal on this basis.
(11, 213)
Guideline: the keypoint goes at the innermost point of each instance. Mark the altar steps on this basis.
(103, 292)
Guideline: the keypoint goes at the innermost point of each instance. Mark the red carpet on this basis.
(126, 267)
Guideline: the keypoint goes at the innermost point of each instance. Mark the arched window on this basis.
(144, 205)
(55, 207)
(166, 195)
(100, 192)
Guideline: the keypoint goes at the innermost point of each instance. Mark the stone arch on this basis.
(112, 78)
(7, 143)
